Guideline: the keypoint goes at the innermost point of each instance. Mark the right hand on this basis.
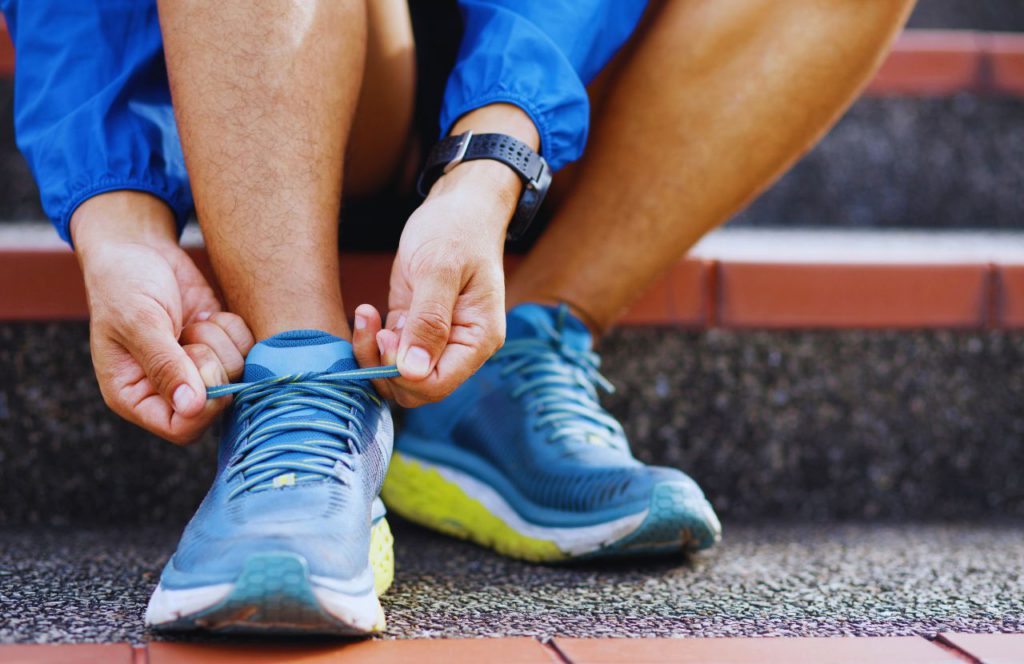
(158, 335)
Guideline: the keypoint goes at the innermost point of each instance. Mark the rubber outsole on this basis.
(676, 520)
(275, 594)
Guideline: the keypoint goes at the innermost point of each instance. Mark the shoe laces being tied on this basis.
(560, 385)
(263, 406)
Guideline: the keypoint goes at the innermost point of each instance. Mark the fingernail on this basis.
(380, 344)
(417, 360)
(183, 396)
(360, 322)
(400, 323)
(202, 315)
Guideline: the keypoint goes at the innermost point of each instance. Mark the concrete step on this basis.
(802, 424)
(770, 579)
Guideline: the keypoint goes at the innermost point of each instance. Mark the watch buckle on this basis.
(460, 155)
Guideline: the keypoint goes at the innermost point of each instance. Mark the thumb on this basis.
(428, 324)
(171, 371)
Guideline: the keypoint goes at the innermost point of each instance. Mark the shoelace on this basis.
(561, 387)
(340, 393)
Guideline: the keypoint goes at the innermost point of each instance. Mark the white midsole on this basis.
(169, 605)
(361, 612)
(573, 541)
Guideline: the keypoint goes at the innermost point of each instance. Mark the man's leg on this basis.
(712, 103)
(292, 535)
(265, 93)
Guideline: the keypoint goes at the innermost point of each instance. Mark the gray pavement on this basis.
(92, 585)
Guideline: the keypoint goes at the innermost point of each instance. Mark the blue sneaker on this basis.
(291, 537)
(522, 458)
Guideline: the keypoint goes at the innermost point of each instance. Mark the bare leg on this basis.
(712, 103)
(265, 94)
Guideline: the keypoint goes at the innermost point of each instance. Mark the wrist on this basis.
(497, 182)
(491, 185)
(499, 119)
(122, 216)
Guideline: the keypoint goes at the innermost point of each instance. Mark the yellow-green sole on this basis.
(423, 496)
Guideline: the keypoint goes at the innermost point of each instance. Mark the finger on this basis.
(173, 374)
(396, 320)
(216, 338)
(364, 343)
(153, 413)
(156, 416)
(236, 329)
(457, 363)
(365, 326)
(203, 303)
(429, 322)
(387, 344)
(211, 369)
(405, 392)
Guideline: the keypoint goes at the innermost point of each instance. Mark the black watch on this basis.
(530, 166)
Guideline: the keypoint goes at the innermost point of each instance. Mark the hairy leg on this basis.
(265, 93)
(713, 101)
(380, 143)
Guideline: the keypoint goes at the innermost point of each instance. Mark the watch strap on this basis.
(531, 168)
(451, 151)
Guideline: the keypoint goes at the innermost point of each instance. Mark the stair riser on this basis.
(822, 425)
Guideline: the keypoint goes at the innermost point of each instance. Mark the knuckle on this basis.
(234, 370)
(203, 356)
(198, 331)
(432, 323)
(162, 368)
(235, 327)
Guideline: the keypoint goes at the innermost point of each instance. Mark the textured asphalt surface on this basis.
(92, 585)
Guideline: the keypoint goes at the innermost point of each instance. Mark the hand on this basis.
(447, 300)
(157, 333)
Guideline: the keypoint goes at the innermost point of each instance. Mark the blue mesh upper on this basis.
(487, 430)
(326, 521)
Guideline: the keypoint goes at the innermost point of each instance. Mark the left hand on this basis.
(447, 302)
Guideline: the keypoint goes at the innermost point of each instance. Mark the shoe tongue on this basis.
(539, 321)
(298, 351)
